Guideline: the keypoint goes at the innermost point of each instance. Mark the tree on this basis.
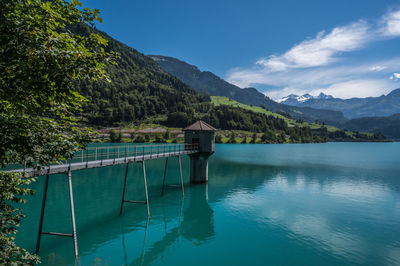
(159, 138)
(218, 139)
(167, 135)
(113, 136)
(132, 135)
(232, 138)
(140, 139)
(254, 138)
(41, 62)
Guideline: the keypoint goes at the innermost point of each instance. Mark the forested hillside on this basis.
(139, 89)
(389, 126)
(211, 84)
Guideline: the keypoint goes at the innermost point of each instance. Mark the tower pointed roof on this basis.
(200, 126)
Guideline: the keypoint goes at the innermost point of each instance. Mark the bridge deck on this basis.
(97, 157)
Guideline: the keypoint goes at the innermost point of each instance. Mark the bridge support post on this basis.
(165, 172)
(46, 184)
(123, 191)
(180, 171)
(199, 168)
(145, 190)
(71, 197)
(181, 177)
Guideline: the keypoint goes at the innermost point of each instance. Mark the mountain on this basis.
(211, 84)
(384, 105)
(141, 92)
(139, 89)
(294, 99)
(389, 126)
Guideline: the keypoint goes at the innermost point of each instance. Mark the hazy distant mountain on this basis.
(384, 105)
(294, 99)
(211, 84)
(389, 126)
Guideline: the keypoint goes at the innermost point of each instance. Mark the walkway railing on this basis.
(93, 157)
(143, 152)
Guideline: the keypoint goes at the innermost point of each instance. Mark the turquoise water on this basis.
(297, 204)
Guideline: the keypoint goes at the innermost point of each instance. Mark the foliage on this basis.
(232, 138)
(389, 126)
(140, 139)
(167, 134)
(254, 138)
(40, 63)
(115, 137)
(12, 188)
(139, 90)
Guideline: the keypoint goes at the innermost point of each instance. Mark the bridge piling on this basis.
(180, 171)
(46, 185)
(145, 188)
(165, 172)
(72, 208)
(71, 198)
(145, 191)
(181, 177)
(123, 191)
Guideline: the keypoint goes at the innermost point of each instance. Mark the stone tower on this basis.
(202, 134)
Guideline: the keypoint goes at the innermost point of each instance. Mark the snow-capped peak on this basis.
(289, 97)
(303, 98)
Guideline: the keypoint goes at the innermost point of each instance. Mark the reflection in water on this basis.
(262, 204)
(197, 227)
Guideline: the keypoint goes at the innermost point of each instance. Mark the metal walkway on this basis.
(94, 157)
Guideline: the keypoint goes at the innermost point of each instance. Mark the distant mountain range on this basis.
(211, 84)
(295, 99)
(384, 105)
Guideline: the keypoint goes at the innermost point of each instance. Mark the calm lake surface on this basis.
(290, 204)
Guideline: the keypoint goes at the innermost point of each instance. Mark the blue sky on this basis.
(346, 48)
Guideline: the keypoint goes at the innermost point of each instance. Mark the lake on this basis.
(279, 204)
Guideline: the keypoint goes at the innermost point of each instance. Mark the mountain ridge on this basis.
(207, 82)
(381, 106)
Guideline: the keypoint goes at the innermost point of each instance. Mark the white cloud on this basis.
(395, 76)
(317, 65)
(357, 88)
(391, 24)
(377, 68)
(321, 50)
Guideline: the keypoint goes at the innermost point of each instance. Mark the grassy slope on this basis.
(220, 100)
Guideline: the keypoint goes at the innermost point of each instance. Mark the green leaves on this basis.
(12, 189)
(41, 61)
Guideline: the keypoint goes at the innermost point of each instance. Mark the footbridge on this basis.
(199, 145)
